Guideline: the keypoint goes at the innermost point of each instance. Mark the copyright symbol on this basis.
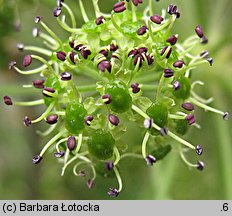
(9, 207)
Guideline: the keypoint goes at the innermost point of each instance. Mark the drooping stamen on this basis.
(117, 156)
(73, 20)
(52, 141)
(144, 144)
(83, 12)
(206, 107)
(113, 192)
(178, 139)
(45, 114)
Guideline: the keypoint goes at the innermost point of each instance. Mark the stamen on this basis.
(48, 145)
(117, 156)
(140, 112)
(113, 119)
(50, 107)
(206, 107)
(84, 15)
(144, 144)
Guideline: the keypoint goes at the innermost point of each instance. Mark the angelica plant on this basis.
(140, 74)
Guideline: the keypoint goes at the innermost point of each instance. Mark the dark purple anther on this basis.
(205, 54)
(104, 65)
(71, 143)
(172, 40)
(190, 118)
(65, 76)
(71, 44)
(169, 52)
(176, 85)
(226, 116)
(188, 106)
(138, 58)
(150, 160)
(114, 120)
(113, 47)
(36, 159)
(61, 55)
(156, 19)
(72, 57)
(104, 52)
(11, 65)
(133, 52)
(199, 31)
(100, 20)
(164, 131)
(38, 83)
(52, 119)
(142, 30)
(119, 7)
(90, 183)
(107, 99)
(88, 120)
(142, 50)
(135, 87)
(79, 47)
(150, 60)
(136, 2)
(113, 192)
(47, 89)
(168, 73)
(178, 64)
(57, 11)
(172, 9)
(210, 60)
(37, 19)
(27, 121)
(20, 46)
(200, 165)
(27, 60)
(85, 53)
(199, 150)
(59, 154)
(7, 100)
(204, 40)
(148, 123)
(109, 165)
(35, 32)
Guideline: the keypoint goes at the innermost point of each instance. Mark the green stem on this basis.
(71, 14)
(51, 33)
(30, 103)
(175, 137)
(118, 178)
(144, 144)
(39, 50)
(45, 114)
(83, 12)
(117, 156)
(51, 142)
